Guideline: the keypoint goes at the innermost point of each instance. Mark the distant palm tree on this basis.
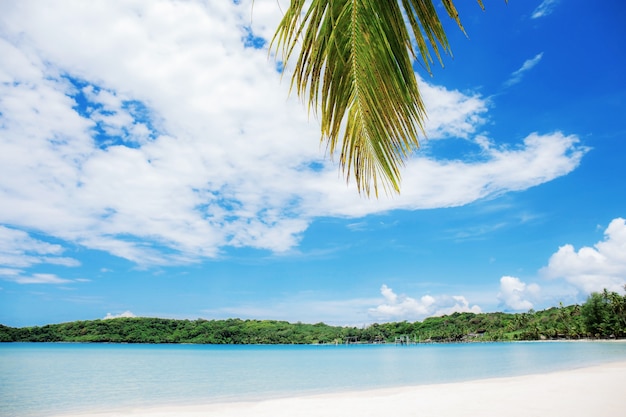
(355, 65)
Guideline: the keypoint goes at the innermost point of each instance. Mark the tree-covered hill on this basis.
(603, 315)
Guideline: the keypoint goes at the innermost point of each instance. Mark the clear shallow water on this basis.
(47, 379)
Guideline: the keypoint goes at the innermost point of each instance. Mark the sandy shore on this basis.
(598, 391)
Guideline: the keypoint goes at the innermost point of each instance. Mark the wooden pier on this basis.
(403, 340)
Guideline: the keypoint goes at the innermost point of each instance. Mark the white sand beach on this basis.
(598, 391)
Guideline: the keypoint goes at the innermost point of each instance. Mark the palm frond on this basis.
(355, 67)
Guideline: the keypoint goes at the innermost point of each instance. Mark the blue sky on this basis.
(153, 164)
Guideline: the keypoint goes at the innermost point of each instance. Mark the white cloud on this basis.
(125, 314)
(18, 277)
(517, 295)
(545, 8)
(401, 307)
(529, 64)
(9, 272)
(432, 184)
(24, 252)
(18, 249)
(164, 142)
(593, 268)
(450, 112)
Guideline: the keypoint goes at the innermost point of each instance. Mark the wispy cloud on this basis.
(545, 8)
(307, 308)
(18, 277)
(529, 64)
(19, 249)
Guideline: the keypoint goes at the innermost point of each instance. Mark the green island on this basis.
(603, 315)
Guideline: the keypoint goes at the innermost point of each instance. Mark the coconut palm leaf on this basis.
(355, 65)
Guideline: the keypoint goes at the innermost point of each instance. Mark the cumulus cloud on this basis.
(593, 268)
(163, 142)
(545, 8)
(401, 307)
(517, 295)
(529, 64)
(125, 314)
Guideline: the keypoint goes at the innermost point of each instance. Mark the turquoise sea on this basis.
(43, 379)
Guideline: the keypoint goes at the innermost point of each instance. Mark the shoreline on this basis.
(593, 390)
(462, 342)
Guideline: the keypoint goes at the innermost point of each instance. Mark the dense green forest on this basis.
(603, 315)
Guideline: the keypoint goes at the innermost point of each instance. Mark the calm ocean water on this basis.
(47, 379)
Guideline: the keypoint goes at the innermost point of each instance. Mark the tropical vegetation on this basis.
(603, 315)
(355, 67)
